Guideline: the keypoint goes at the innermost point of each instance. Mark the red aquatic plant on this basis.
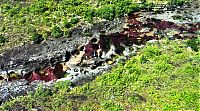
(35, 76)
(90, 49)
(46, 75)
(49, 74)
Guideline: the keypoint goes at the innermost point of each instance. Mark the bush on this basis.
(57, 32)
(74, 20)
(36, 38)
(2, 39)
(42, 92)
(106, 12)
(67, 24)
(123, 7)
(194, 43)
(61, 86)
(177, 2)
(89, 14)
(149, 52)
(2, 28)
(111, 106)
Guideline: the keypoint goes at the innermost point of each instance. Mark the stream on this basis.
(92, 49)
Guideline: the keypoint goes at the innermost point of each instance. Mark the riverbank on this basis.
(138, 28)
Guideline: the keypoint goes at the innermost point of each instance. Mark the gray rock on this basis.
(4, 93)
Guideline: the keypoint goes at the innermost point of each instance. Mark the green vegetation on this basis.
(194, 43)
(36, 38)
(57, 32)
(55, 18)
(2, 39)
(177, 2)
(106, 12)
(160, 77)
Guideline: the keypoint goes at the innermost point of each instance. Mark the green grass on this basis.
(55, 18)
(160, 77)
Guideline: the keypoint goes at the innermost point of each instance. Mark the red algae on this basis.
(50, 75)
(135, 32)
(35, 76)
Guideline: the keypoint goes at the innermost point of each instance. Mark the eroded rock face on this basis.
(45, 58)
(80, 58)
(30, 56)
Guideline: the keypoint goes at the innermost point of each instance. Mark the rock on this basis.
(84, 57)
(4, 93)
(13, 89)
(29, 56)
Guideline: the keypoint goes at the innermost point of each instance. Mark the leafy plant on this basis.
(2, 39)
(74, 20)
(194, 43)
(111, 106)
(67, 24)
(177, 2)
(106, 12)
(42, 92)
(36, 38)
(89, 14)
(61, 85)
(57, 32)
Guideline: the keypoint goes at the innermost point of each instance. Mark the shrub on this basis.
(74, 20)
(56, 32)
(194, 43)
(106, 12)
(67, 24)
(177, 2)
(46, 34)
(89, 13)
(2, 39)
(2, 28)
(111, 106)
(42, 92)
(36, 38)
(149, 52)
(123, 7)
(61, 86)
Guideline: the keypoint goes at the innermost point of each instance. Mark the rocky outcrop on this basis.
(30, 56)
(81, 58)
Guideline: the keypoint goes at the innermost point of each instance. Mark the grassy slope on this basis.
(24, 21)
(161, 77)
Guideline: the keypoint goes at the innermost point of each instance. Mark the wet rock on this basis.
(4, 93)
(83, 57)
(13, 89)
(46, 61)
(29, 56)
